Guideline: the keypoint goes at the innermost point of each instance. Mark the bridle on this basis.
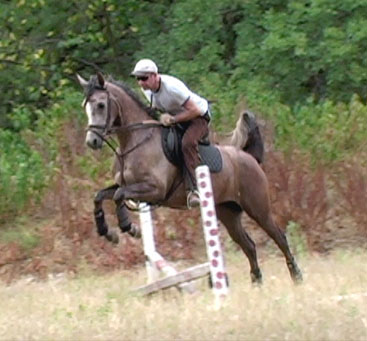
(103, 128)
(104, 132)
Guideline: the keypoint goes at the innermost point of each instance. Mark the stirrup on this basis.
(193, 199)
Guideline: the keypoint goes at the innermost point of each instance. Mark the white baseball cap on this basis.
(144, 66)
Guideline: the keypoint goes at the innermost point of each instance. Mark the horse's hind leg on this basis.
(230, 216)
(279, 237)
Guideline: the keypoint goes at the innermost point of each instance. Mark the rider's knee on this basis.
(188, 145)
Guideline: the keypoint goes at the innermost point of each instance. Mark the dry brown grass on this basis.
(102, 308)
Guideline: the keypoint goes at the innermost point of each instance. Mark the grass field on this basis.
(330, 305)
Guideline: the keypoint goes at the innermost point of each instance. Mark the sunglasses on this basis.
(142, 78)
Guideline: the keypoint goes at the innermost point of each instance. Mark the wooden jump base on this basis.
(187, 275)
(156, 265)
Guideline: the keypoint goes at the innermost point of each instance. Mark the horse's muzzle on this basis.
(93, 141)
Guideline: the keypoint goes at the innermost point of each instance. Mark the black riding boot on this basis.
(193, 198)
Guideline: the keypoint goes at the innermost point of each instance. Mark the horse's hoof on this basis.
(134, 231)
(256, 279)
(296, 273)
(112, 237)
(298, 278)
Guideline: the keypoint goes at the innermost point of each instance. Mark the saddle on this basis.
(172, 142)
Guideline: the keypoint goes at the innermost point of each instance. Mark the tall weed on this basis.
(351, 188)
(299, 194)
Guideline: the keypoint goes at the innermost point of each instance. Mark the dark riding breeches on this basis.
(197, 129)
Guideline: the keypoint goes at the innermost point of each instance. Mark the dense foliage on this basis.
(300, 64)
(295, 49)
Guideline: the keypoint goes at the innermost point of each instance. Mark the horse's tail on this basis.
(247, 136)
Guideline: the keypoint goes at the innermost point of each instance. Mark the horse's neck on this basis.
(131, 113)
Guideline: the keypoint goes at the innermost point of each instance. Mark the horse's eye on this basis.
(100, 105)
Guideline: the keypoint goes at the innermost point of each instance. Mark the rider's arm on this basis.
(191, 111)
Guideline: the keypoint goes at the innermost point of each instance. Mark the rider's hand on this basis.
(167, 119)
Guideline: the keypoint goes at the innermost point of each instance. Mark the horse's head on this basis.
(100, 107)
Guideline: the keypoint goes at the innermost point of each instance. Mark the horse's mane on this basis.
(93, 84)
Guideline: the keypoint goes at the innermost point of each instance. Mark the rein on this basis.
(130, 127)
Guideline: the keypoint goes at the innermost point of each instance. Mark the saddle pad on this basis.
(210, 156)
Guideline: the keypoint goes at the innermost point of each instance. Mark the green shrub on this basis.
(21, 174)
(328, 131)
(28, 238)
(28, 154)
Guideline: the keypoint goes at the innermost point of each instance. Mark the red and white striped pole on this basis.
(211, 232)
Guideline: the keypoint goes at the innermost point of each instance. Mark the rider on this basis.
(180, 105)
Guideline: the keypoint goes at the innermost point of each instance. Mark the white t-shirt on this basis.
(172, 95)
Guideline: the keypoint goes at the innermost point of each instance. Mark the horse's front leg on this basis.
(122, 215)
(102, 227)
(125, 224)
(140, 192)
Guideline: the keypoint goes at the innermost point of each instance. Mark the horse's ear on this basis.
(101, 80)
(82, 81)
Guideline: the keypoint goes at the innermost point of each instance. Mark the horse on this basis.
(148, 176)
(246, 136)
